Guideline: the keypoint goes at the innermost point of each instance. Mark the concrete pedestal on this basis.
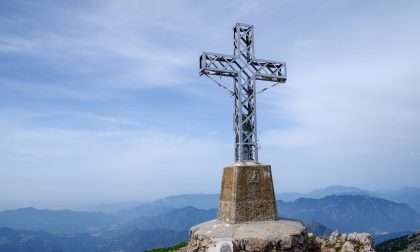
(281, 235)
(247, 194)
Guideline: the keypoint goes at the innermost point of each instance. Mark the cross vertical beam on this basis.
(245, 70)
(246, 144)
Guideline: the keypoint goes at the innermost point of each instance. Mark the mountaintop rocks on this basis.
(352, 242)
(282, 235)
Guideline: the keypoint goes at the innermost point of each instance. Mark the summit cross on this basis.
(245, 69)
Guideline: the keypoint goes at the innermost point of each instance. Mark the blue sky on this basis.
(100, 101)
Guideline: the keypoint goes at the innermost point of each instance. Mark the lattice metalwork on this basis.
(245, 70)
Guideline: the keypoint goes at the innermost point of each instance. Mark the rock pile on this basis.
(352, 242)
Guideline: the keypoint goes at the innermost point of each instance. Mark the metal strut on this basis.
(245, 69)
(231, 93)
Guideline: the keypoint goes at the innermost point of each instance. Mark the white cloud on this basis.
(70, 69)
(359, 101)
(153, 161)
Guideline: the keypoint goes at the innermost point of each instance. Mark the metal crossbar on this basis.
(245, 69)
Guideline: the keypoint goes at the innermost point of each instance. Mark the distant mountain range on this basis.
(200, 201)
(180, 219)
(135, 240)
(408, 195)
(144, 210)
(177, 219)
(29, 240)
(166, 221)
(346, 213)
(56, 221)
(321, 193)
(350, 213)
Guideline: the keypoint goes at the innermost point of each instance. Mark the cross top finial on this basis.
(245, 70)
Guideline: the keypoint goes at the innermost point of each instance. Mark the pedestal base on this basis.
(281, 235)
(247, 194)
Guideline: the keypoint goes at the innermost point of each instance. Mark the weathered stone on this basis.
(281, 235)
(352, 242)
(347, 247)
(247, 194)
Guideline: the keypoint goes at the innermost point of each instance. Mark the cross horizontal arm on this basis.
(230, 66)
(218, 64)
(267, 70)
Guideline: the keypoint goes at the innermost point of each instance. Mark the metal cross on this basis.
(245, 69)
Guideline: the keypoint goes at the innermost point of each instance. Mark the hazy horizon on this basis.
(139, 201)
(100, 101)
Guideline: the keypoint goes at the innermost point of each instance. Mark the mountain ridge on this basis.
(407, 195)
(347, 213)
(350, 213)
(410, 242)
(55, 221)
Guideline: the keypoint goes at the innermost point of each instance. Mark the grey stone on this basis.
(225, 248)
(347, 247)
(281, 235)
(352, 242)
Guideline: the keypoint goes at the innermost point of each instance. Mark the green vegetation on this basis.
(173, 248)
(336, 247)
(409, 242)
(311, 238)
(329, 245)
(398, 244)
(358, 246)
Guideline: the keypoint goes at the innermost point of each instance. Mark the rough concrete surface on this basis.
(247, 194)
(281, 235)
